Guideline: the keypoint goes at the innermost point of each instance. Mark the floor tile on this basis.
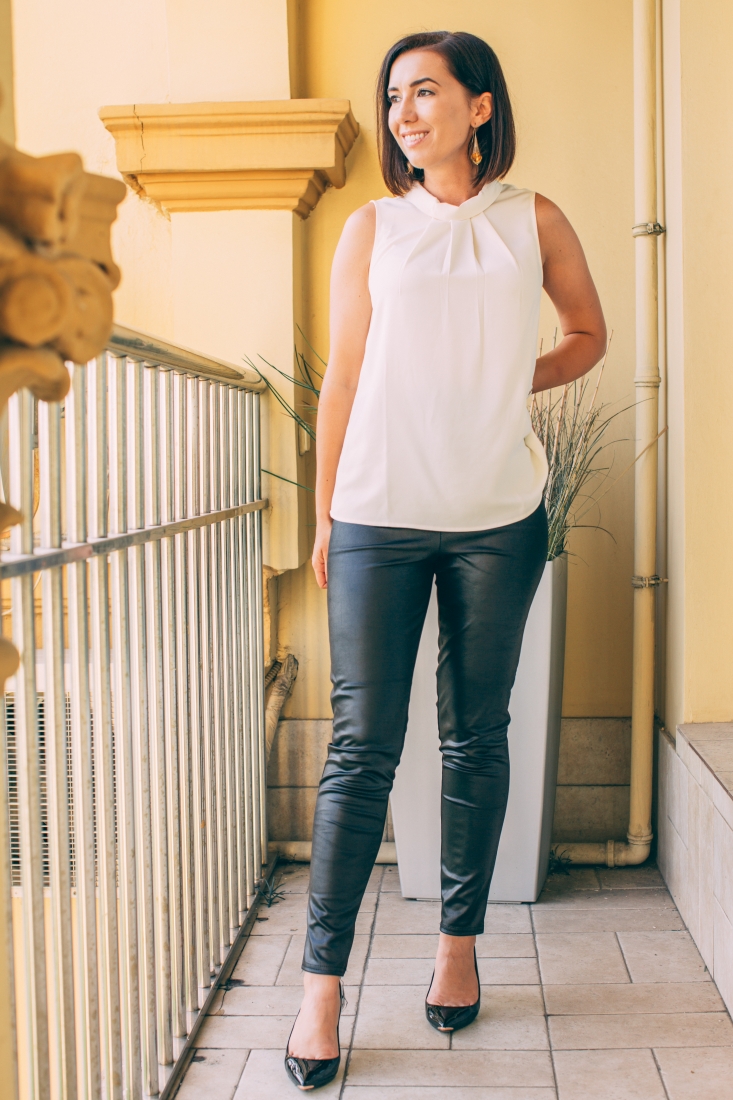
(292, 974)
(390, 880)
(608, 920)
(580, 958)
(507, 918)
(690, 1029)
(214, 1074)
(607, 1075)
(404, 946)
(407, 1092)
(662, 957)
(610, 899)
(399, 972)
(419, 972)
(293, 878)
(451, 1068)
(697, 1074)
(264, 1077)
(512, 1000)
(364, 924)
(285, 918)
(396, 915)
(257, 1032)
(260, 962)
(393, 1017)
(631, 878)
(274, 1000)
(577, 878)
(512, 945)
(577, 1000)
(508, 972)
(493, 1031)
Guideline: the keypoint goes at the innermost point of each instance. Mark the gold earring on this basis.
(409, 168)
(475, 153)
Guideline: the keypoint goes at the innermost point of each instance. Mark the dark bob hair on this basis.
(475, 65)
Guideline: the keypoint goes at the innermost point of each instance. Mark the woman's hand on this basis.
(569, 286)
(320, 551)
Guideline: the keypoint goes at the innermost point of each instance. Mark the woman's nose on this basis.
(406, 110)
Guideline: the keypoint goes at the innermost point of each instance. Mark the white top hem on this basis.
(524, 514)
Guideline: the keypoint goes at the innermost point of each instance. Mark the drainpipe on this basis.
(647, 380)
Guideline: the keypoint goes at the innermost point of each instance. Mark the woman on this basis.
(428, 468)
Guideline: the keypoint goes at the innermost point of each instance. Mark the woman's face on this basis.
(432, 116)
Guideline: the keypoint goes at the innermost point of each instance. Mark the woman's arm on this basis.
(570, 288)
(351, 311)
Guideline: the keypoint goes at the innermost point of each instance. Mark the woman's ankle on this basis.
(322, 987)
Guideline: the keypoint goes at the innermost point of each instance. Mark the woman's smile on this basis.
(414, 137)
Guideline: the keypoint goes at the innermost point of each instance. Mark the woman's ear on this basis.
(483, 107)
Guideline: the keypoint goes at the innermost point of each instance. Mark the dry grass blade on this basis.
(572, 431)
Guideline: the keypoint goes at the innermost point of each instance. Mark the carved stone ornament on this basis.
(56, 281)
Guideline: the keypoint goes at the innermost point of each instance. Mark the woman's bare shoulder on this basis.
(362, 223)
(558, 239)
(357, 236)
(549, 215)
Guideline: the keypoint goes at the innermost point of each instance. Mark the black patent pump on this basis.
(448, 1017)
(314, 1073)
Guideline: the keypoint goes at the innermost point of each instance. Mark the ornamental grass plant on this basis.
(572, 426)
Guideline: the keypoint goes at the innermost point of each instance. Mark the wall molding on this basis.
(264, 155)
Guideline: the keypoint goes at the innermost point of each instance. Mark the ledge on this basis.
(712, 742)
(265, 155)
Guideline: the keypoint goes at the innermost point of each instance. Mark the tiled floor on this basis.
(596, 992)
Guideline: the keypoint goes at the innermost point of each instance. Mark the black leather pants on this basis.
(379, 584)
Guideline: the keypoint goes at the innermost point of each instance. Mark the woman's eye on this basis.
(424, 91)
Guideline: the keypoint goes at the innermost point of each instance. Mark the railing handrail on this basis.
(146, 348)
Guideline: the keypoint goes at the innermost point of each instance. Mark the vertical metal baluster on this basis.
(259, 682)
(34, 1027)
(6, 906)
(207, 692)
(198, 770)
(63, 1048)
(243, 618)
(156, 714)
(173, 724)
(141, 743)
(185, 673)
(85, 956)
(237, 678)
(227, 686)
(217, 596)
(122, 715)
(257, 836)
(103, 746)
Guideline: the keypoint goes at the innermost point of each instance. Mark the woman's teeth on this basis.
(412, 139)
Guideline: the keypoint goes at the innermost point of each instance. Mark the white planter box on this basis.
(534, 741)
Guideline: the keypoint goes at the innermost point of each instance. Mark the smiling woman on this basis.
(476, 72)
(428, 470)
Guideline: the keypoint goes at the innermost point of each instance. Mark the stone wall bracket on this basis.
(263, 155)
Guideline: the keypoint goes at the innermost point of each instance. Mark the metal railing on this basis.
(133, 732)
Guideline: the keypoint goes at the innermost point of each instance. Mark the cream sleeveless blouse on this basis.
(440, 437)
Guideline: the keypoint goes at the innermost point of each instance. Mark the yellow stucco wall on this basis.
(568, 65)
(699, 110)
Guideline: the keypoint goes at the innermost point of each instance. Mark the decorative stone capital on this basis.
(266, 155)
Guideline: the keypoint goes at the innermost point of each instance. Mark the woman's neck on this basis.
(452, 183)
